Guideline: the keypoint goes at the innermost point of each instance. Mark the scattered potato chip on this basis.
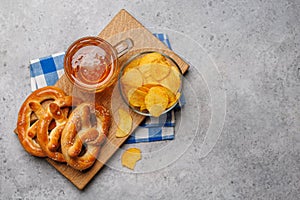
(120, 133)
(124, 124)
(130, 157)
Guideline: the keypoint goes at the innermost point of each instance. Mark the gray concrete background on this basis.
(254, 43)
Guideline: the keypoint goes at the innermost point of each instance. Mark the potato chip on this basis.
(172, 97)
(156, 101)
(126, 89)
(157, 96)
(176, 70)
(144, 88)
(133, 77)
(148, 86)
(156, 110)
(120, 133)
(152, 58)
(172, 81)
(143, 107)
(136, 97)
(171, 103)
(151, 81)
(145, 70)
(134, 63)
(170, 94)
(130, 157)
(159, 71)
(124, 123)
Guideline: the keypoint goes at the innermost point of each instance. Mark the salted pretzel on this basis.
(49, 139)
(85, 131)
(27, 131)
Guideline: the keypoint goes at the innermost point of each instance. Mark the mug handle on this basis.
(123, 46)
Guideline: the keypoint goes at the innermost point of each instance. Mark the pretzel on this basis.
(27, 131)
(49, 139)
(85, 131)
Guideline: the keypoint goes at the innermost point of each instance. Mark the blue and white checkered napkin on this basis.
(46, 71)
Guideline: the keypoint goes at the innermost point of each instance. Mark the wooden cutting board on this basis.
(123, 25)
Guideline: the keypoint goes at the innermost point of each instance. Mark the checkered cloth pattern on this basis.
(46, 71)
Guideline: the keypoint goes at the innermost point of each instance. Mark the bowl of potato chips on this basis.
(150, 83)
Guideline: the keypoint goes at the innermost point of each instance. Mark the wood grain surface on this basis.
(123, 25)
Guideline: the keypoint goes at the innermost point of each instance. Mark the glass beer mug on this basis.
(91, 63)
